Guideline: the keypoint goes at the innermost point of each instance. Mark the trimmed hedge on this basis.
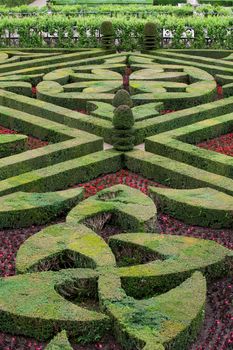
(135, 320)
(71, 143)
(88, 249)
(179, 144)
(174, 90)
(181, 118)
(201, 207)
(23, 209)
(176, 261)
(177, 313)
(65, 174)
(12, 144)
(186, 87)
(175, 174)
(24, 314)
(123, 133)
(128, 208)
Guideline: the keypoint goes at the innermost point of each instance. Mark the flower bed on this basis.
(222, 144)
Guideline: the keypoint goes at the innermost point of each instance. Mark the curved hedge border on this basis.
(22, 209)
(126, 292)
(201, 207)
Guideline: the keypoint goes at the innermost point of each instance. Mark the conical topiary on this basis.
(123, 132)
(107, 33)
(149, 33)
(122, 97)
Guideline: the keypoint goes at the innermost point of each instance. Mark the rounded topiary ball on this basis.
(150, 29)
(122, 97)
(106, 28)
(123, 117)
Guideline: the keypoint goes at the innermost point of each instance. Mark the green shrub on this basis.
(107, 32)
(123, 118)
(149, 29)
(123, 134)
(150, 32)
(106, 28)
(122, 97)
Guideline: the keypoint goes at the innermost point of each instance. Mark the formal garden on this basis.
(116, 175)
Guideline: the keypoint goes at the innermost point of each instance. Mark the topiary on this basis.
(107, 28)
(123, 133)
(123, 117)
(150, 31)
(122, 97)
(107, 33)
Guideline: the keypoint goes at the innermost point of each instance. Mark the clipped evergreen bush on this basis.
(107, 33)
(123, 133)
(149, 34)
(123, 117)
(122, 97)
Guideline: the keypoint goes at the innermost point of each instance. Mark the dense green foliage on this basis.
(98, 2)
(139, 11)
(15, 2)
(129, 31)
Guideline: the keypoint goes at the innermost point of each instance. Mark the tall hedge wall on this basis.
(128, 30)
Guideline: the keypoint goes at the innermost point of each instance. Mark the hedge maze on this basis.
(149, 288)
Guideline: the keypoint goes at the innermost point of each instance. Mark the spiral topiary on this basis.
(122, 97)
(123, 133)
(107, 33)
(149, 33)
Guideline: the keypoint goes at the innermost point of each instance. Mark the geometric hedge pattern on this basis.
(150, 288)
